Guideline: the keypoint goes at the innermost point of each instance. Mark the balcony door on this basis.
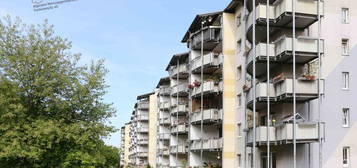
(272, 160)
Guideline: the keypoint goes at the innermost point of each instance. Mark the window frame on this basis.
(345, 47)
(345, 12)
(345, 80)
(346, 117)
(346, 156)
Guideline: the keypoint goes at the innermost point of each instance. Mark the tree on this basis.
(52, 112)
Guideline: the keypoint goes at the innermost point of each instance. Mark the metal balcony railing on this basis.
(181, 101)
(142, 117)
(143, 141)
(179, 129)
(208, 88)
(306, 132)
(210, 61)
(211, 37)
(180, 149)
(180, 109)
(142, 129)
(181, 70)
(164, 151)
(181, 89)
(164, 105)
(207, 144)
(143, 105)
(164, 91)
(208, 115)
(164, 120)
(164, 136)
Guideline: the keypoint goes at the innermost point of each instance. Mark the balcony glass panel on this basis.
(208, 115)
(208, 87)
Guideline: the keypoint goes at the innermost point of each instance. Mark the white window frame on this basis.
(239, 125)
(345, 14)
(239, 97)
(239, 72)
(345, 46)
(239, 160)
(346, 117)
(346, 157)
(345, 80)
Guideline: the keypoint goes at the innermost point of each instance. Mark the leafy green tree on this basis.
(52, 112)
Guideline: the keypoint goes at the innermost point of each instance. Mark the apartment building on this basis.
(262, 93)
(124, 145)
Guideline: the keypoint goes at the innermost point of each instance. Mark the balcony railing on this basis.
(211, 61)
(281, 15)
(181, 89)
(142, 117)
(181, 70)
(208, 88)
(164, 120)
(207, 144)
(209, 115)
(143, 105)
(143, 129)
(181, 101)
(164, 136)
(280, 51)
(164, 105)
(179, 110)
(179, 129)
(164, 151)
(211, 37)
(143, 141)
(165, 91)
(283, 133)
(180, 149)
(142, 154)
(282, 90)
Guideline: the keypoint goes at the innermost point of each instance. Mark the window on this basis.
(265, 160)
(239, 129)
(239, 46)
(345, 117)
(346, 157)
(345, 15)
(239, 72)
(240, 100)
(346, 80)
(345, 47)
(239, 20)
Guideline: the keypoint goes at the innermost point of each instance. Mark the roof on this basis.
(232, 6)
(196, 23)
(163, 81)
(144, 96)
(180, 57)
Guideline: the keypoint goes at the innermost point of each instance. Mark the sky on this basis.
(137, 38)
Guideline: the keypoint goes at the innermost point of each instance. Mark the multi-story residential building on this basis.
(178, 70)
(164, 122)
(124, 145)
(263, 93)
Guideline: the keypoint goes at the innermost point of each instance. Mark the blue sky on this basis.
(136, 38)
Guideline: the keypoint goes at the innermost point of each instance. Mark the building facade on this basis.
(264, 84)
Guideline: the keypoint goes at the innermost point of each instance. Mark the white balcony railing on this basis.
(211, 34)
(181, 88)
(142, 117)
(179, 129)
(164, 91)
(210, 59)
(207, 144)
(178, 149)
(164, 136)
(181, 101)
(142, 129)
(164, 105)
(183, 108)
(208, 87)
(164, 120)
(283, 133)
(207, 115)
(174, 70)
(143, 105)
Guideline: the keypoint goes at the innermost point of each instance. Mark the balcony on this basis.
(164, 136)
(164, 121)
(179, 129)
(164, 152)
(164, 105)
(282, 91)
(179, 101)
(211, 38)
(142, 117)
(165, 91)
(179, 149)
(180, 110)
(142, 154)
(143, 105)
(181, 90)
(207, 88)
(209, 116)
(143, 141)
(306, 132)
(142, 129)
(180, 71)
(281, 16)
(207, 145)
(280, 51)
(211, 62)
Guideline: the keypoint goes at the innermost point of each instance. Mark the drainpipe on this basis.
(201, 152)
(268, 85)
(254, 87)
(319, 80)
(294, 84)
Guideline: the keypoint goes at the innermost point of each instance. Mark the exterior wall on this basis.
(152, 130)
(229, 91)
(126, 145)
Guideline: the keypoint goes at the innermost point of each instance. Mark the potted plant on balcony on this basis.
(197, 83)
(190, 86)
(246, 88)
(308, 77)
(278, 78)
